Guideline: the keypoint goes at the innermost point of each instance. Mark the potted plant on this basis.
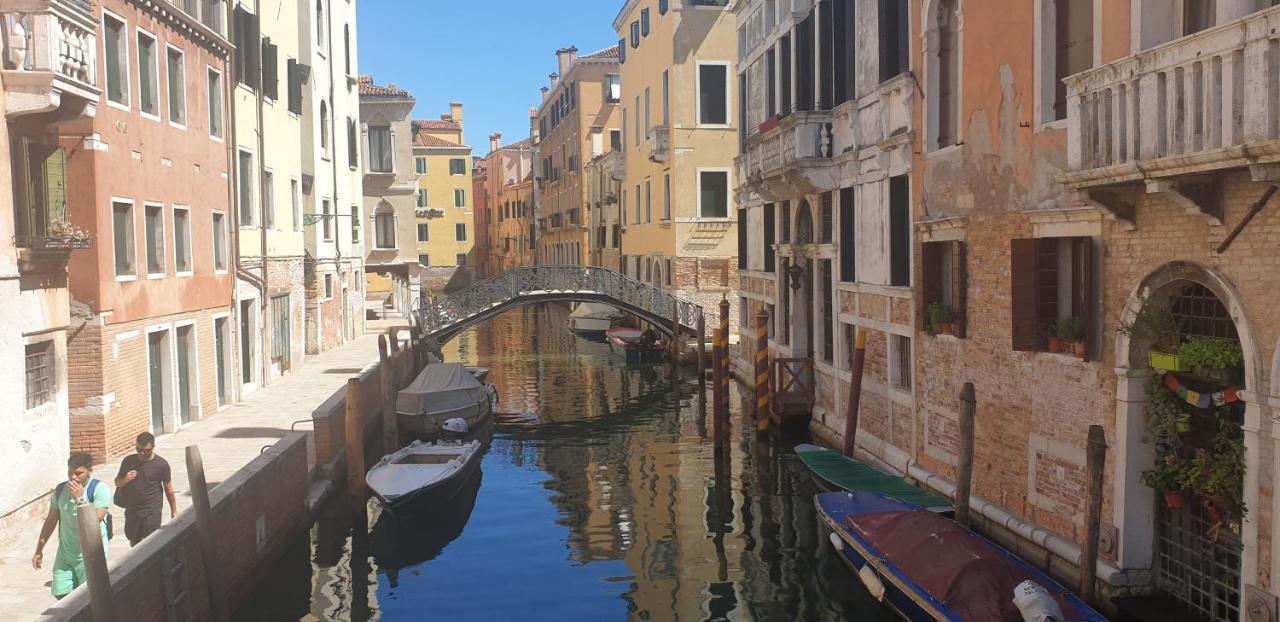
(63, 234)
(1071, 335)
(1212, 357)
(1168, 478)
(942, 318)
(1217, 475)
(1158, 327)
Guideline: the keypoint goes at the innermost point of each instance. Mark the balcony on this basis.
(614, 164)
(50, 61)
(658, 140)
(790, 157)
(1163, 120)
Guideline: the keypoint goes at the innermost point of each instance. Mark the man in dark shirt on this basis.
(142, 478)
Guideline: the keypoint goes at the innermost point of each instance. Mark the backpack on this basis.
(93, 486)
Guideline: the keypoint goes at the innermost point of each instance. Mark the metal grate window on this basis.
(1200, 314)
(902, 362)
(1202, 574)
(39, 374)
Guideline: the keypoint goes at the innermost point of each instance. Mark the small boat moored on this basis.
(441, 392)
(634, 345)
(930, 568)
(593, 318)
(834, 471)
(422, 471)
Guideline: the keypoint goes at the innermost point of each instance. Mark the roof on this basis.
(610, 52)
(520, 144)
(421, 139)
(436, 124)
(367, 87)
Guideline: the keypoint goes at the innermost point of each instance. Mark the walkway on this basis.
(227, 442)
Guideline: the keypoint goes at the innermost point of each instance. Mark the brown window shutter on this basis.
(960, 286)
(931, 273)
(1022, 283)
(1082, 292)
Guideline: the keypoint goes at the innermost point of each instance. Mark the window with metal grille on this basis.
(786, 222)
(40, 387)
(901, 362)
(824, 233)
(828, 331)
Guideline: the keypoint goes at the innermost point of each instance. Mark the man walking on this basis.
(142, 478)
(79, 489)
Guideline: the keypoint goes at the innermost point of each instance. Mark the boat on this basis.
(481, 373)
(398, 542)
(593, 318)
(422, 474)
(833, 471)
(629, 344)
(930, 568)
(444, 391)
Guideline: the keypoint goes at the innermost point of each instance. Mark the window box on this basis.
(1167, 362)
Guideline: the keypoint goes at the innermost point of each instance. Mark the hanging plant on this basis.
(1154, 325)
(1216, 474)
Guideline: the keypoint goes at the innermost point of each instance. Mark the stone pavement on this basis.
(227, 441)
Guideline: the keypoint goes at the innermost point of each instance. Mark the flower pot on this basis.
(1079, 348)
(1167, 362)
(948, 328)
(1055, 345)
(1175, 499)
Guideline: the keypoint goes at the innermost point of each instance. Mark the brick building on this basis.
(152, 338)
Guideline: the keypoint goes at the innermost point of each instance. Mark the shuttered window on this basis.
(270, 70)
(899, 232)
(293, 74)
(769, 223)
(848, 243)
(743, 248)
(1051, 280)
(945, 280)
(248, 56)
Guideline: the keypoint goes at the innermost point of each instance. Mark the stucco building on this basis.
(604, 174)
(576, 121)
(512, 229)
(679, 137)
(393, 280)
(446, 227)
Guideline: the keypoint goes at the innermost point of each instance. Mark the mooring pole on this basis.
(764, 396)
(355, 442)
(204, 534)
(674, 350)
(101, 601)
(390, 435)
(964, 469)
(857, 362)
(1095, 460)
(702, 349)
(725, 358)
(720, 406)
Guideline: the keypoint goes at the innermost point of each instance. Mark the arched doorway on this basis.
(804, 224)
(1188, 359)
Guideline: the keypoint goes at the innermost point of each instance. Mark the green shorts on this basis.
(67, 576)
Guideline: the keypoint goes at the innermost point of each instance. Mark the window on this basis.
(848, 238)
(662, 7)
(638, 135)
(1051, 280)
(668, 271)
(293, 74)
(622, 51)
(1066, 49)
(420, 166)
(944, 276)
(320, 24)
(215, 103)
(899, 232)
(666, 196)
(770, 83)
(637, 205)
(177, 73)
(460, 260)
(624, 127)
(769, 224)
(744, 250)
(784, 286)
(219, 241)
(786, 222)
(346, 46)
(154, 228)
(324, 128)
(40, 374)
(713, 94)
(380, 150)
(612, 88)
(644, 22)
(805, 63)
(784, 66)
(353, 146)
(615, 140)
(845, 53)
(270, 70)
(326, 217)
(268, 200)
(1197, 15)
(901, 360)
(948, 85)
(424, 232)
(828, 312)
(181, 240)
(355, 224)
(666, 98)
(116, 59)
(148, 82)
(648, 201)
(384, 224)
(122, 232)
(328, 293)
(459, 197)
(245, 173)
(458, 166)
(895, 38)
(460, 232)
(249, 49)
(825, 212)
(713, 194)
(295, 203)
(424, 260)
(635, 34)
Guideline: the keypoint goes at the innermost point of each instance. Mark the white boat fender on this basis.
(1035, 603)
(836, 542)
(456, 425)
(870, 579)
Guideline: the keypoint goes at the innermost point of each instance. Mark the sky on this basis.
(492, 56)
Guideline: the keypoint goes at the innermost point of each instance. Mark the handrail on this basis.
(457, 308)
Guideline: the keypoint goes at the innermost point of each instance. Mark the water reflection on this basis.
(602, 498)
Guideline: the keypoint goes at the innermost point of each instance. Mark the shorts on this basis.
(67, 576)
(138, 527)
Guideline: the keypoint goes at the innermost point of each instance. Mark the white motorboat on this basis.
(444, 391)
(422, 472)
(593, 318)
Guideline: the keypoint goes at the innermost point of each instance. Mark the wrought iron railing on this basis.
(434, 317)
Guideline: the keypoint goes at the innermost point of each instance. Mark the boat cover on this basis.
(595, 310)
(973, 578)
(440, 388)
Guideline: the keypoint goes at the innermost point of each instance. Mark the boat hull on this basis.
(621, 344)
(436, 496)
(590, 325)
(834, 472)
(432, 424)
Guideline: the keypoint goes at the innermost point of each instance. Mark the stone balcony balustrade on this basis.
(790, 156)
(49, 57)
(614, 164)
(658, 139)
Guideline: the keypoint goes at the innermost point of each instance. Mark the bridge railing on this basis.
(480, 297)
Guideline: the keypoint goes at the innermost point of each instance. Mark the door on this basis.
(156, 370)
(220, 357)
(185, 374)
(280, 331)
(246, 342)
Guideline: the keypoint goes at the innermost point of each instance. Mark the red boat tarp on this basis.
(970, 576)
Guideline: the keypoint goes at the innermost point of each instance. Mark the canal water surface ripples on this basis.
(599, 498)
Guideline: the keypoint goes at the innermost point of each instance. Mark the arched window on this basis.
(804, 224)
(324, 128)
(384, 224)
(320, 23)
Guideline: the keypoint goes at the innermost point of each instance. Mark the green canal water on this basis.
(599, 498)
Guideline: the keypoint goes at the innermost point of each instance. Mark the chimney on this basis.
(545, 90)
(455, 115)
(495, 142)
(566, 56)
(555, 77)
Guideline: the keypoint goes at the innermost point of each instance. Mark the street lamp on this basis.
(794, 274)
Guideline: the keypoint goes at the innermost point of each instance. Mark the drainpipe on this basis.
(333, 165)
(262, 229)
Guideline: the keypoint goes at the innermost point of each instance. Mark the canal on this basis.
(599, 498)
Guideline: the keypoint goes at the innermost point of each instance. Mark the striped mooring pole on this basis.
(719, 387)
(764, 394)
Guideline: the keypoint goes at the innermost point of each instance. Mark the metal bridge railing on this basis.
(458, 307)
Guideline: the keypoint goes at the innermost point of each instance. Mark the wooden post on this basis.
(964, 469)
(673, 348)
(394, 339)
(702, 349)
(764, 395)
(387, 382)
(415, 338)
(355, 442)
(1095, 460)
(720, 405)
(859, 357)
(725, 357)
(209, 552)
(101, 600)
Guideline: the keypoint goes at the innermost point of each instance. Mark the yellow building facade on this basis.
(445, 218)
